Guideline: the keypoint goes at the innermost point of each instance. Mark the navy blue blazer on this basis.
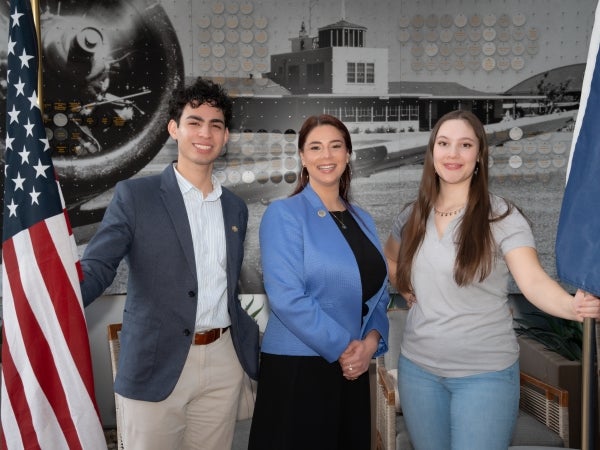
(147, 225)
(313, 282)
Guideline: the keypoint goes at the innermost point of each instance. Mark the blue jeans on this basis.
(463, 413)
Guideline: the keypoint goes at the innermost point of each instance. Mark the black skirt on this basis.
(304, 402)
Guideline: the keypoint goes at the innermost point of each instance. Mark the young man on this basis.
(186, 340)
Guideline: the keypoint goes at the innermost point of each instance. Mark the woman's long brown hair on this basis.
(475, 246)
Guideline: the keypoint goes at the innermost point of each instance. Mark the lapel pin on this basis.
(321, 213)
(234, 229)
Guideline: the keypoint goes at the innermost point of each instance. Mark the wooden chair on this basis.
(543, 416)
(114, 347)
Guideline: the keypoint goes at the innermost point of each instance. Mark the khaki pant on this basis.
(201, 411)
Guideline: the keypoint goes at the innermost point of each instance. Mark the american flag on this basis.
(47, 383)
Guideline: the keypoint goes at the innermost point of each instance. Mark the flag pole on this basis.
(588, 431)
(35, 11)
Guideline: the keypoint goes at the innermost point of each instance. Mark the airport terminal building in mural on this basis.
(387, 68)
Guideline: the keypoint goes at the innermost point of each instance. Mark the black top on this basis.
(370, 262)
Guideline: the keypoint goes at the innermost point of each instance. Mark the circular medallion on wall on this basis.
(218, 7)
(261, 50)
(261, 36)
(489, 20)
(417, 50)
(460, 35)
(261, 22)
(459, 64)
(518, 33)
(232, 7)
(504, 35)
(431, 35)
(416, 65)
(431, 64)
(218, 65)
(247, 22)
(503, 63)
(218, 50)
(489, 34)
(233, 64)
(261, 67)
(504, 20)
(475, 20)
(432, 21)
(446, 21)
(204, 65)
(246, 50)
(218, 21)
(417, 21)
(204, 21)
(461, 48)
(204, 36)
(488, 64)
(445, 49)
(232, 21)
(247, 36)
(246, 7)
(518, 48)
(416, 35)
(232, 50)
(403, 21)
(488, 48)
(517, 63)
(445, 64)
(515, 133)
(446, 35)
(474, 48)
(475, 34)
(460, 20)
(532, 48)
(544, 147)
(533, 34)
(247, 65)
(403, 35)
(204, 50)
(232, 36)
(518, 19)
(218, 36)
(431, 49)
(503, 48)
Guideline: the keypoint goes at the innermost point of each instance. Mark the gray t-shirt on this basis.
(455, 331)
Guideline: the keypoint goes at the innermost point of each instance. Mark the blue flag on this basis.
(578, 236)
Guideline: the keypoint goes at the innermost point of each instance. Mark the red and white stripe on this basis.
(47, 387)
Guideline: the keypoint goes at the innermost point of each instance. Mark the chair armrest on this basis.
(548, 404)
(388, 386)
(386, 410)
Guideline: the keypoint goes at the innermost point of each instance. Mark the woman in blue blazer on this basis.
(325, 277)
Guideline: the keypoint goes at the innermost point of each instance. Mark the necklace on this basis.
(339, 220)
(448, 213)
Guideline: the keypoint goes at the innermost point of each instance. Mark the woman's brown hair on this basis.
(475, 246)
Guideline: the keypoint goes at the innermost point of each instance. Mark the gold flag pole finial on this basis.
(35, 10)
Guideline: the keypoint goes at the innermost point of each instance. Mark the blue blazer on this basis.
(147, 225)
(312, 281)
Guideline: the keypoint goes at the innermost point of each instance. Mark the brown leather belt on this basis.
(208, 336)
